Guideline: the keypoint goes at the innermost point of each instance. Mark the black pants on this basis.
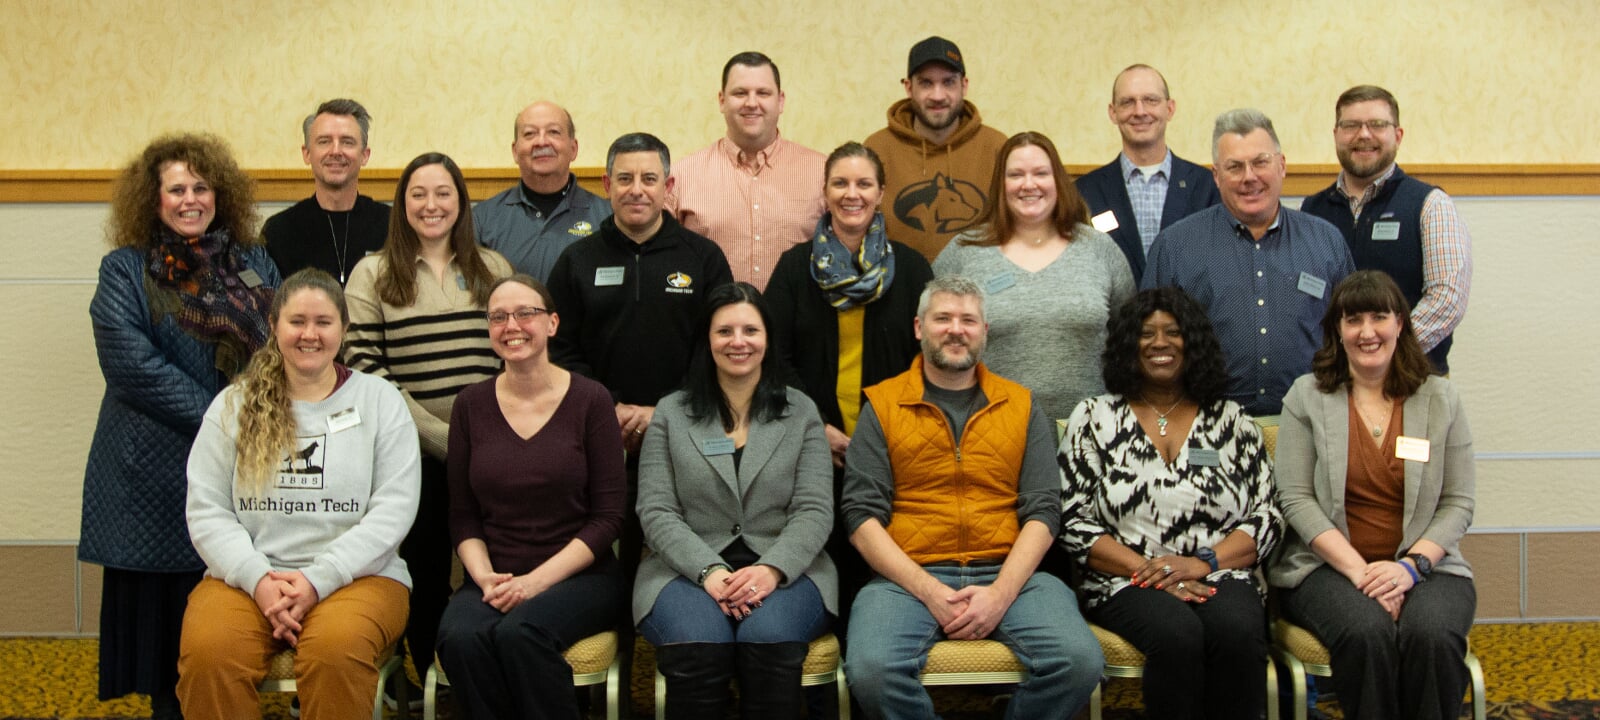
(1383, 669)
(427, 552)
(510, 665)
(1202, 660)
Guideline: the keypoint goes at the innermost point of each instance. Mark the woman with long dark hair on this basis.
(417, 319)
(736, 503)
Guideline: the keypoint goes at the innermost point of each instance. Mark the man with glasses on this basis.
(1394, 222)
(1146, 188)
(1263, 272)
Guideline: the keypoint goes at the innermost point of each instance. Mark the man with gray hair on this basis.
(952, 496)
(533, 221)
(1262, 271)
(337, 226)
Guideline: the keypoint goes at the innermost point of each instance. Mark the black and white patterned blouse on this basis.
(1116, 483)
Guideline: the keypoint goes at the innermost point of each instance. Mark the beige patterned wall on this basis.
(85, 83)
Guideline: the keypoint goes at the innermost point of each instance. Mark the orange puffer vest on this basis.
(953, 504)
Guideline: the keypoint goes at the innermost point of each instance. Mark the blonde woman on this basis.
(302, 483)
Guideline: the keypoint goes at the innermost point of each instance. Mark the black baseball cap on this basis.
(935, 49)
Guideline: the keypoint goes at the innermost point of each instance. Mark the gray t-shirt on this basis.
(1047, 328)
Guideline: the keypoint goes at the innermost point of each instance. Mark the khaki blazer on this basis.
(1312, 457)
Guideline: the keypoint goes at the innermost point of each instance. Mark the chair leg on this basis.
(661, 696)
(1297, 679)
(613, 689)
(844, 690)
(1094, 700)
(430, 693)
(1272, 690)
(1475, 669)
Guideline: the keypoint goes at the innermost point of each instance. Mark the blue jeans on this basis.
(891, 632)
(684, 613)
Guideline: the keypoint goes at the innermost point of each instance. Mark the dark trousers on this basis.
(510, 665)
(1202, 660)
(427, 552)
(1383, 669)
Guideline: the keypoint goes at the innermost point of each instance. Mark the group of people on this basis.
(767, 393)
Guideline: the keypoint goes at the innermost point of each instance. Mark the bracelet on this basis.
(707, 571)
(1415, 578)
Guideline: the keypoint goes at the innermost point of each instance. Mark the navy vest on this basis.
(1399, 200)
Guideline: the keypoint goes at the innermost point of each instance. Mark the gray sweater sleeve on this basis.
(868, 478)
(1039, 485)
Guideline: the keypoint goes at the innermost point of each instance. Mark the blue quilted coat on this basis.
(159, 382)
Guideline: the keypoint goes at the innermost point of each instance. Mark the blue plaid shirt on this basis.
(1148, 195)
(1265, 298)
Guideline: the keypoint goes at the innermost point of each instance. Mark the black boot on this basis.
(697, 679)
(769, 680)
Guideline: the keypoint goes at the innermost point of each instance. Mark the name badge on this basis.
(1312, 285)
(1105, 222)
(1204, 457)
(1410, 448)
(461, 282)
(1386, 230)
(343, 420)
(609, 276)
(716, 446)
(251, 278)
(998, 283)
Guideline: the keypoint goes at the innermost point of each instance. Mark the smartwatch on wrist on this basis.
(1208, 555)
(1424, 565)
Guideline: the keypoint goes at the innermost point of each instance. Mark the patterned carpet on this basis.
(1534, 672)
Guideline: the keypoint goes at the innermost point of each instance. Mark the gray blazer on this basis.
(1313, 450)
(692, 505)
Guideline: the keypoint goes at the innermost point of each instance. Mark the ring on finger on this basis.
(1180, 586)
(1166, 569)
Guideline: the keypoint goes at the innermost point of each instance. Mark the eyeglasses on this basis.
(1260, 165)
(1351, 127)
(522, 315)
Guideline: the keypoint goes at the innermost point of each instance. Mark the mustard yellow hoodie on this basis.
(934, 191)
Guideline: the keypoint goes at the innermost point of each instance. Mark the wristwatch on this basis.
(1424, 565)
(1208, 555)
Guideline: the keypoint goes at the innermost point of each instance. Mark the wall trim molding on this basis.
(1459, 179)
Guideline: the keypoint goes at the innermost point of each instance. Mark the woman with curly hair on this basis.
(181, 305)
(1376, 479)
(302, 482)
(418, 319)
(1169, 511)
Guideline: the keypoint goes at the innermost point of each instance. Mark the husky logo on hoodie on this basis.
(943, 204)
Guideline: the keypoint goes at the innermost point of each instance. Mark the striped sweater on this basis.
(431, 349)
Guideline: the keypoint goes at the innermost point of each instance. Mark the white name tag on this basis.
(343, 420)
(609, 276)
(1312, 285)
(1410, 448)
(251, 278)
(1386, 230)
(1105, 222)
(1000, 282)
(717, 446)
(1204, 457)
